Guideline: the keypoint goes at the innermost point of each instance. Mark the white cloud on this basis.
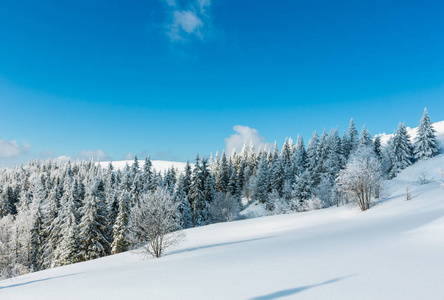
(184, 22)
(10, 149)
(187, 20)
(170, 2)
(97, 155)
(245, 135)
(202, 4)
(128, 156)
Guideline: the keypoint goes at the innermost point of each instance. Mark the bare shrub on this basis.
(155, 221)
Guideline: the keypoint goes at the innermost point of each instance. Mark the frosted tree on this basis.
(67, 247)
(365, 138)
(121, 239)
(334, 155)
(350, 139)
(222, 175)
(353, 135)
(93, 224)
(377, 147)
(147, 175)
(201, 192)
(300, 157)
(276, 173)
(400, 152)
(426, 145)
(36, 241)
(361, 177)
(313, 159)
(261, 182)
(184, 208)
(287, 151)
(154, 222)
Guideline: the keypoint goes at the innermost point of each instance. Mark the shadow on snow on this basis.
(289, 292)
(38, 280)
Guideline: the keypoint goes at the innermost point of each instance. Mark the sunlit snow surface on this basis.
(395, 250)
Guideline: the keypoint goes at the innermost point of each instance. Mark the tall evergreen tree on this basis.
(377, 146)
(121, 241)
(401, 152)
(426, 145)
(93, 224)
(352, 136)
(365, 140)
(313, 159)
(261, 183)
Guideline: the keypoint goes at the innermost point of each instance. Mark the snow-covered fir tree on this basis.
(426, 145)
(400, 152)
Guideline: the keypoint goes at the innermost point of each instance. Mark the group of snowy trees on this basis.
(54, 213)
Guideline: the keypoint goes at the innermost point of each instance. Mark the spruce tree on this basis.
(313, 159)
(121, 241)
(401, 151)
(377, 146)
(352, 136)
(93, 224)
(261, 182)
(426, 145)
(365, 139)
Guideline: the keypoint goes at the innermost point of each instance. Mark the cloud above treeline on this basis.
(96, 155)
(245, 135)
(11, 149)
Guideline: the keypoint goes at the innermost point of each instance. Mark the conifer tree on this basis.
(377, 146)
(352, 136)
(313, 159)
(426, 145)
(67, 248)
(365, 140)
(301, 190)
(147, 176)
(121, 240)
(261, 183)
(299, 157)
(36, 242)
(93, 224)
(184, 208)
(401, 151)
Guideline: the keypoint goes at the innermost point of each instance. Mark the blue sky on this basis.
(171, 78)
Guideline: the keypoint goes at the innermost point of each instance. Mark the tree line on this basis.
(56, 213)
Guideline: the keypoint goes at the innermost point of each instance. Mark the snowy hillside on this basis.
(159, 165)
(438, 126)
(392, 251)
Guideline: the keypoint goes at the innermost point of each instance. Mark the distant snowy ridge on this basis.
(438, 126)
(159, 165)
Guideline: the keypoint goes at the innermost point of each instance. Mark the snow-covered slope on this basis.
(392, 251)
(159, 165)
(438, 126)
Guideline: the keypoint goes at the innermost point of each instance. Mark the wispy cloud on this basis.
(188, 20)
(245, 135)
(97, 155)
(11, 149)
